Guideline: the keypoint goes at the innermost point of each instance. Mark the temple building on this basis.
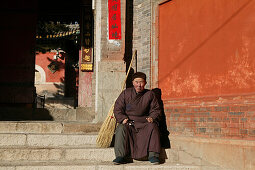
(200, 54)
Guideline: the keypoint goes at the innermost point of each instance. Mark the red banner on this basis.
(114, 19)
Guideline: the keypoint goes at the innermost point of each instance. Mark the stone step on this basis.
(48, 127)
(98, 165)
(62, 146)
(68, 148)
(88, 152)
(57, 153)
(47, 140)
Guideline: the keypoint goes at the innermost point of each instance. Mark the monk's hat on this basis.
(139, 75)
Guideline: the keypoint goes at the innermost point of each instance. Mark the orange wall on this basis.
(206, 48)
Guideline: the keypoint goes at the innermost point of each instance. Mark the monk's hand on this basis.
(125, 121)
(149, 119)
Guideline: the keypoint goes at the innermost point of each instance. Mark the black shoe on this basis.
(119, 160)
(154, 160)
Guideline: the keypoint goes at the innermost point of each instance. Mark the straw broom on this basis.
(107, 129)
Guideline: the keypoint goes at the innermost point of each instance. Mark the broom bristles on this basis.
(104, 138)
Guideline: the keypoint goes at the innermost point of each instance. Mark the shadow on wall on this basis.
(60, 88)
(165, 142)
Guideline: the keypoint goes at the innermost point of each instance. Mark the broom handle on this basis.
(123, 86)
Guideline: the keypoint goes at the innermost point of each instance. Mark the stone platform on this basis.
(72, 145)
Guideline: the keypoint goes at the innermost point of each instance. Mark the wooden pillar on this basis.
(86, 56)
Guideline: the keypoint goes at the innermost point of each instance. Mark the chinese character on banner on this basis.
(86, 59)
(87, 67)
(114, 19)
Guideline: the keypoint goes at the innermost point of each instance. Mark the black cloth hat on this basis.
(139, 75)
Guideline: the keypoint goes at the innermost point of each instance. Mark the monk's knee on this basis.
(121, 129)
(120, 136)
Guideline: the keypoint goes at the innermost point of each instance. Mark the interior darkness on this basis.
(59, 10)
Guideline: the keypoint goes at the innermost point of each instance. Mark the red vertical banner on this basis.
(114, 19)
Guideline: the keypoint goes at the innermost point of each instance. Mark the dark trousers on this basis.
(120, 141)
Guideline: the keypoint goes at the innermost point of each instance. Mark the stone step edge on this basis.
(87, 146)
(61, 154)
(66, 133)
(46, 140)
(51, 121)
(91, 134)
(106, 167)
(77, 162)
(49, 127)
(86, 163)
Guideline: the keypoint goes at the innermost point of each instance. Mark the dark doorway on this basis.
(58, 30)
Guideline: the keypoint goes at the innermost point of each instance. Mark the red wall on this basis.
(44, 60)
(207, 67)
(206, 48)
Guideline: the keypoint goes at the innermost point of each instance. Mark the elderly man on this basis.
(137, 111)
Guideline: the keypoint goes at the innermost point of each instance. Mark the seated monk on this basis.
(137, 111)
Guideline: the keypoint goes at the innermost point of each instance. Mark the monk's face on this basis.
(139, 84)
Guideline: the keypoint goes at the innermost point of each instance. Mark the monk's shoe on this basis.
(154, 160)
(119, 160)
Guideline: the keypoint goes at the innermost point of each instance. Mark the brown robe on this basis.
(142, 137)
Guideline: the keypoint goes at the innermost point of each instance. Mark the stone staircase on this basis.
(67, 145)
